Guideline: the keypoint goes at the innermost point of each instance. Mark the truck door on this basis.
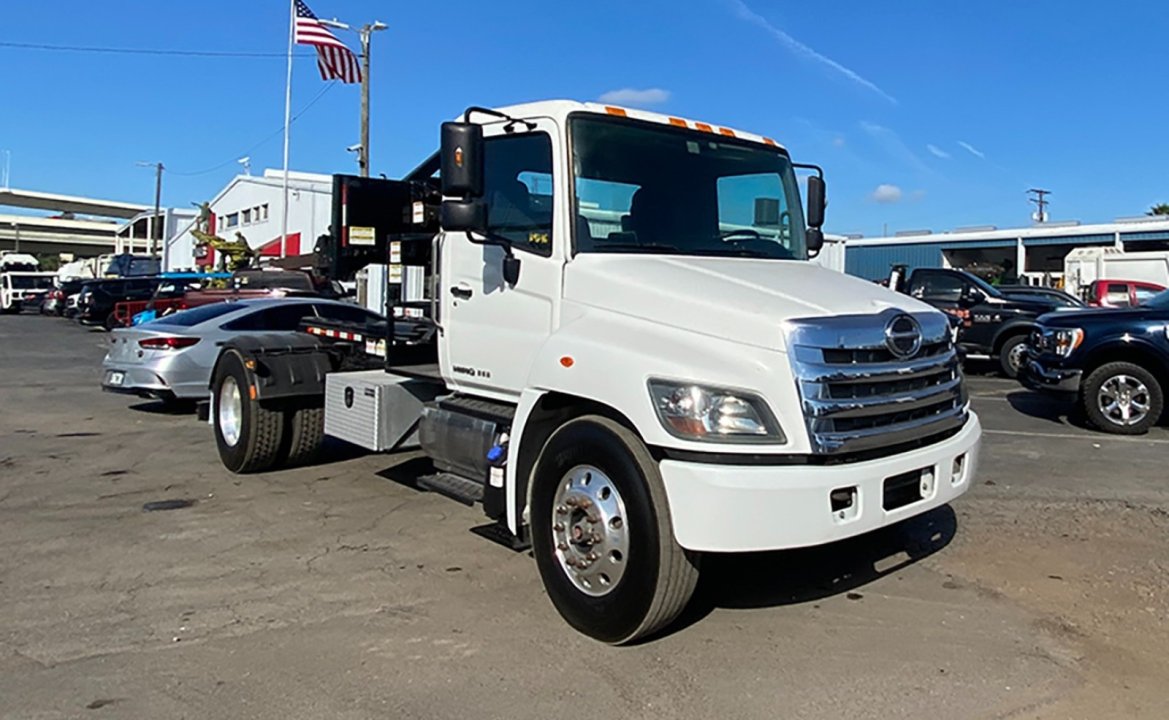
(493, 330)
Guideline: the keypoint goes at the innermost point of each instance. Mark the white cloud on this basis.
(798, 48)
(886, 194)
(838, 142)
(937, 151)
(632, 96)
(972, 150)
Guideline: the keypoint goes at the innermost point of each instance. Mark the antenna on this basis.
(246, 161)
(1040, 200)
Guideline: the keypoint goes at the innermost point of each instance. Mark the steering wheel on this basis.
(741, 235)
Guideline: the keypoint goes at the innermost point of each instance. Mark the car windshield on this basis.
(646, 188)
(1160, 301)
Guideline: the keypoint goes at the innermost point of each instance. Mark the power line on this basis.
(251, 149)
(147, 51)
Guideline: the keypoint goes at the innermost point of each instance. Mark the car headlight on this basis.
(699, 412)
(1062, 341)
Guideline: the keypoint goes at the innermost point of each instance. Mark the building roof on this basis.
(1054, 230)
(32, 200)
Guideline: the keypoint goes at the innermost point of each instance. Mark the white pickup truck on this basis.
(631, 363)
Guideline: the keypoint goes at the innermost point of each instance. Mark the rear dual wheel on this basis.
(602, 534)
(247, 434)
(254, 436)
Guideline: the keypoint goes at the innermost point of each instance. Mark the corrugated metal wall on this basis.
(872, 262)
(1077, 240)
(1155, 235)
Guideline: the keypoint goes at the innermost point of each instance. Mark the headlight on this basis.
(698, 412)
(1062, 341)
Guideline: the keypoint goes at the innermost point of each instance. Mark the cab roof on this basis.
(561, 109)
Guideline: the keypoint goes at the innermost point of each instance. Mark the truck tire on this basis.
(305, 431)
(247, 434)
(1122, 398)
(1012, 355)
(602, 534)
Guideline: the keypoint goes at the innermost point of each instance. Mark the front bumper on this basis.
(738, 508)
(1035, 375)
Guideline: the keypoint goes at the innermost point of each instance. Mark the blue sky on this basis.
(924, 114)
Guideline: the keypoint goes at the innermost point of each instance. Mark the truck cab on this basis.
(634, 362)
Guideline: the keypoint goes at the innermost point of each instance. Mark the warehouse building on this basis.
(250, 207)
(1035, 254)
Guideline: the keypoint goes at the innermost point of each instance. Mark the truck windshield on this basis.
(646, 188)
(1160, 301)
(31, 282)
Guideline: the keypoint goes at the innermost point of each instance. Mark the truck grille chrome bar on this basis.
(858, 395)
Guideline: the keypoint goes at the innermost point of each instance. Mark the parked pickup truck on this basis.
(1115, 362)
(993, 323)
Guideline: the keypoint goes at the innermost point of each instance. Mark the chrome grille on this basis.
(858, 396)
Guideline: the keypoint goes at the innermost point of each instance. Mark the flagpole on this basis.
(287, 124)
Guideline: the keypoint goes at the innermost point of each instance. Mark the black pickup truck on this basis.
(992, 322)
(1114, 361)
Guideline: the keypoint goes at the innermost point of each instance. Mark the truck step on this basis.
(455, 487)
(498, 533)
(497, 412)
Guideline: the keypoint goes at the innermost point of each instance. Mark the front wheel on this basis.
(1012, 355)
(1122, 398)
(247, 435)
(602, 534)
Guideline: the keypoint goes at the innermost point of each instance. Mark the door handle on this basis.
(461, 291)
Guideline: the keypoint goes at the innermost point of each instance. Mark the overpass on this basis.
(81, 225)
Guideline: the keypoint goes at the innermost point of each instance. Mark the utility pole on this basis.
(1040, 200)
(364, 32)
(152, 226)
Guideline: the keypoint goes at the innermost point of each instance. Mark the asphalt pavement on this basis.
(341, 591)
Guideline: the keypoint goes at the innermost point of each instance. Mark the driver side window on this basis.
(517, 187)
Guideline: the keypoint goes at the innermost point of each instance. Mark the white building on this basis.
(251, 206)
(133, 236)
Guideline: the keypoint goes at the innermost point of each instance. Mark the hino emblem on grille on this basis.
(903, 336)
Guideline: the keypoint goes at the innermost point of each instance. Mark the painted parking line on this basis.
(1073, 436)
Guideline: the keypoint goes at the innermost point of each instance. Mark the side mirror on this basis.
(815, 239)
(973, 296)
(461, 159)
(816, 202)
(463, 216)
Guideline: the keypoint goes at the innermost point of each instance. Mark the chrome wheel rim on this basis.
(1124, 400)
(590, 534)
(229, 411)
(1015, 356)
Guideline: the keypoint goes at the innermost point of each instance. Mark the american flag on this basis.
(335, 61)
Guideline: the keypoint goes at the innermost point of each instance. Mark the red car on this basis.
(1120, 293)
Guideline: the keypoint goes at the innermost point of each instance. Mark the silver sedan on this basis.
(171, 358)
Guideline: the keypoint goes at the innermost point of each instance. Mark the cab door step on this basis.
(501, 414)
(453, 486)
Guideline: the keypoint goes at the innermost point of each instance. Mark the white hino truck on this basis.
(622, 353)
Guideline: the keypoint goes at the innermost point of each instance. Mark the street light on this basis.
(364, 32)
